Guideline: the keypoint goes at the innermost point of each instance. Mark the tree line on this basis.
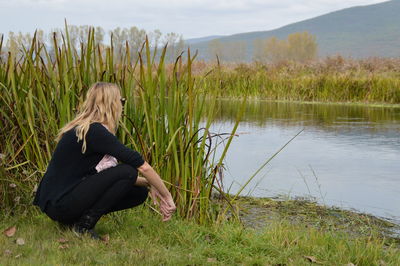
(121, 38)
(299, 47)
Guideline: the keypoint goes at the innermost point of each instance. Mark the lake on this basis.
(347, 156)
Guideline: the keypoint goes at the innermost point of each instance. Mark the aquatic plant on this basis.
(164, 117)
(374, 80)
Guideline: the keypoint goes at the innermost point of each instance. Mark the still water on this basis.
(347, 156)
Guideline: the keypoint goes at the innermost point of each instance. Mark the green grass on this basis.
(138, 237)
(329, 80)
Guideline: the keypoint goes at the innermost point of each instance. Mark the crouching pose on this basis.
(83, 180)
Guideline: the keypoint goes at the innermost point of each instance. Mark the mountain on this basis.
(202, 39)
(359, 32)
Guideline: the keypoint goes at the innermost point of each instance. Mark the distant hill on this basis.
(202, 39)
(359, 32)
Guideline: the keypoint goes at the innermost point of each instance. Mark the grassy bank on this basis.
(369, 81)
(259, 212)
(138, 237)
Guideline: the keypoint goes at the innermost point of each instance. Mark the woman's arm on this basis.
(100, 140)
(142, 182)
(154, 179)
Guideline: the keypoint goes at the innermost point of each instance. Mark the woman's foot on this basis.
(80, 231)
(85, 225)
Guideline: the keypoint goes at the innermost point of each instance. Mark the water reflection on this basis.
(347, 156)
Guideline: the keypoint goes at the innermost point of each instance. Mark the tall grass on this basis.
(162, 119)
(335, 79)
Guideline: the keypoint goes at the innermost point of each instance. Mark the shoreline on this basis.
(256, 213)
(362, 104)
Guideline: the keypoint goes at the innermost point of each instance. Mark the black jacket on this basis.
(68, 166)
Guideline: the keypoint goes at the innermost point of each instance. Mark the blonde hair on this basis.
(103, 105)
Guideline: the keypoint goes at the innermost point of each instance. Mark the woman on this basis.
(83, 181)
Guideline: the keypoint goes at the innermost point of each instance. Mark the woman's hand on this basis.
(158, 191)
(167, 207)
(166, 203)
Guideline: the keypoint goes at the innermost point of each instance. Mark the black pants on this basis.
(108, 191)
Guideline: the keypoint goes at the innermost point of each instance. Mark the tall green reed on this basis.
(165, 118)
(325, 81)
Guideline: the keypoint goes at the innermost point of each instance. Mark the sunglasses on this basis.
(123, 100)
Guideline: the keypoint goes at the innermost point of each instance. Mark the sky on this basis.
(191, 18)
